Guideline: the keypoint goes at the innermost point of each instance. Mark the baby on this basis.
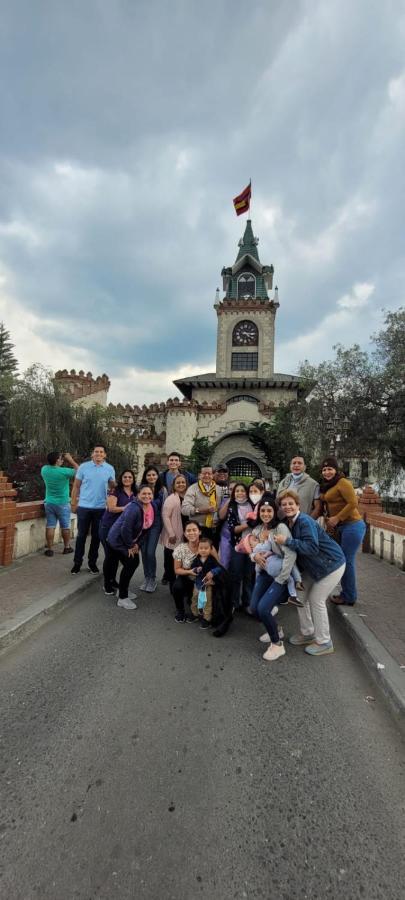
(274, 563)
(205, 562)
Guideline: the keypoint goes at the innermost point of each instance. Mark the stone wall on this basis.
(263, 315)
(82, 388)
(22, 525)
(385, 534)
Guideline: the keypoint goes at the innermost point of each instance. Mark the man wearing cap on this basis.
(306, 487)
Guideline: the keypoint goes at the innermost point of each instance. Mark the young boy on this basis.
(204, 563)
(251, 544)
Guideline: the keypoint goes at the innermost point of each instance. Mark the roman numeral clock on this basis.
(245, 334)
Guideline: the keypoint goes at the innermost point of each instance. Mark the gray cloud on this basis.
(130, 127)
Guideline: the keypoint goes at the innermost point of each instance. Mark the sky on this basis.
(128, 127)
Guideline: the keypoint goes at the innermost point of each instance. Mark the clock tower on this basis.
(246, 315)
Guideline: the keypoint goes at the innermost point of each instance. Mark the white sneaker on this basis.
(274, 652)
(126, 603)
(274, 610)
(265, 638)
(131, 595)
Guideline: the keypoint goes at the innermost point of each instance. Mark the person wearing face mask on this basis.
(306, 487)
(240, 566)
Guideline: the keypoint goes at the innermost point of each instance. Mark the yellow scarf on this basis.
(211, 493)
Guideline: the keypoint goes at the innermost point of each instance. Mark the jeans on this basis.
(351, 536)
(87, 518)
(169, 566)
(314, 615)
(182, 590)
(263, 581)
(274, 594)
(241, 572)
(129, 566)
(57, 512)
(149, 549)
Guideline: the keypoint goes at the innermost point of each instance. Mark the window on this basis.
(240, 397)
(364, 468)
(244, 361)
(242, 466)
(246, 286)
(245, 334)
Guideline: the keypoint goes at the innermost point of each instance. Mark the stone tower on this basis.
(246, 315)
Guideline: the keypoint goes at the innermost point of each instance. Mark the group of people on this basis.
(228, 547)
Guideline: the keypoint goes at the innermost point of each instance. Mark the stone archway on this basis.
(241, 466)
(237, 446)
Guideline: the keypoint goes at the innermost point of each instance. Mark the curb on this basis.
(29, 620)
(384, 670)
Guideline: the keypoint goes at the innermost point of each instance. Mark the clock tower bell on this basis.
(246, 315)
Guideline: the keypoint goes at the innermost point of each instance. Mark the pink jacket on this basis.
(172, 524)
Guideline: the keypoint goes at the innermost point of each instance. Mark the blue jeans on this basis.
(263, 581)
(241, 573)
(274, 594)
(351, 536)
(85, 519)
(148, 549)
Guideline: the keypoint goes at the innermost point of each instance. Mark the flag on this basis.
(242, 202)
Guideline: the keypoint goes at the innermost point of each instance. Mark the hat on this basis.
(221, 468)
(330, 461)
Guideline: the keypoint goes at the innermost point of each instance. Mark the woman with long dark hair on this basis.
(240, 566)
(343, 521)
(118, 497)
(152, 478)
(173, 524)
(125, 540)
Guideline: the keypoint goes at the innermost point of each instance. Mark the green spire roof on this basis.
(248, 244)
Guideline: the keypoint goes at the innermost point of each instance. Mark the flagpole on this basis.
(250, 200)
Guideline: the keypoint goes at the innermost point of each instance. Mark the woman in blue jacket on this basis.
(322, 563)
(125, 539)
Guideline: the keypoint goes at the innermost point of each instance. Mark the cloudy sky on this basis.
(127, 128)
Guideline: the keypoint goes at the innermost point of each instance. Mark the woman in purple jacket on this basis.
(125, 539)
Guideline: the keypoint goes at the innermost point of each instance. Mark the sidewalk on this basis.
(34, 587)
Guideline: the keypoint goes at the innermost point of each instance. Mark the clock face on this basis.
(245, 334)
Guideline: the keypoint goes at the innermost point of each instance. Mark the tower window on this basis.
(244, 361)
(240, 397)
(245, 334)
(246, 286)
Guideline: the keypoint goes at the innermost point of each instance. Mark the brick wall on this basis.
(385, 533)
(7, 520)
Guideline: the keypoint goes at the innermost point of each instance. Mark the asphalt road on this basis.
(145, 759)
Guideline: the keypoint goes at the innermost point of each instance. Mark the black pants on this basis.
(182, 590)
(129, 566)
(86, 519)
(169, 566)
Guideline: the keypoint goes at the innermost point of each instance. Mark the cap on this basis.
(221, 468)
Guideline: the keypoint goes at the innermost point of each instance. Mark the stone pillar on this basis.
(8, 516)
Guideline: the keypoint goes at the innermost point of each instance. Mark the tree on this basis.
(8, 362)
(278, 439)
(200, 454)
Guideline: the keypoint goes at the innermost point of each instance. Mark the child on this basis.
(274, 561)
(201, 603)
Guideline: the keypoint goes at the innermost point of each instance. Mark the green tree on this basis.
(200, 454)
(8, 362)
(278, 439)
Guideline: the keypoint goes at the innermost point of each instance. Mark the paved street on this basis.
(145, 759)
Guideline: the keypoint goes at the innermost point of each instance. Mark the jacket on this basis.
(129, 528)
(342, 502)
(317, 553)
(284, 552)
(306, 487)
(194, 499)
(172, 521)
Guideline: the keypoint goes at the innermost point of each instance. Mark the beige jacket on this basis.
(194, 500)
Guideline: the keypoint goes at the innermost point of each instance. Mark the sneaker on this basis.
(265, 638)
(190, 619)
(299, 585)
(293, 601)
(144, 585)
(179, 618)
(93, 569)
(205, 624)
(274, 652)
(126, 603)
(48, 553)
(151, 585)
(320, 649)
(274, 610)
(75, 569)
(299, 640)
(131, 595)
(67, 550)
(109, 591)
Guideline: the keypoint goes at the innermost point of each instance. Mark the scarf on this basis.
(211, 494)
(327, 485)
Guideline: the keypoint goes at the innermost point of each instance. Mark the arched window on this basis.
(245, 334)
(240, 465)
(240, 397)
(246, 286)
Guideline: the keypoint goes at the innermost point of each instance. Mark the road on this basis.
(144, 759)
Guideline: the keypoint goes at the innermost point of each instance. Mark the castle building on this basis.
(220, 405)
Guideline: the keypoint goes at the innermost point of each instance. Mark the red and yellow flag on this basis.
(242, 202)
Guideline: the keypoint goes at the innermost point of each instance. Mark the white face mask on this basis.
(255, 496)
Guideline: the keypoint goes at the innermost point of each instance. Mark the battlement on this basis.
(78, 385)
